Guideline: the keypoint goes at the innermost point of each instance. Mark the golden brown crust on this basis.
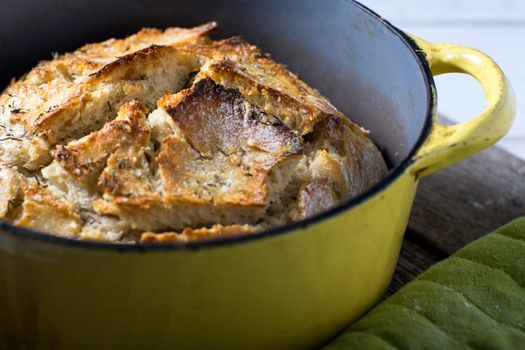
(10, 188)
(235, 63)
(87, 156)
(126, 179)
(174, 135)
(107, 50)
(57, 88)
(190, 178)
(189, 234)
(240, 126)
(42, 211)
(57, 124)
(316, 197)
(222, 160)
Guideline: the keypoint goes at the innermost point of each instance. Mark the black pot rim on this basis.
(303, 224)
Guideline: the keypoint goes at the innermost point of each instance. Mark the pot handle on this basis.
(448, 144)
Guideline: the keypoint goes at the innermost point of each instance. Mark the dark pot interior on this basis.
(361, 64)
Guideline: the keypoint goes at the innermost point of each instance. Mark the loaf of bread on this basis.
(168, 136)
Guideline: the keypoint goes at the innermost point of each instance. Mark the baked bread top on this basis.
(169, 136)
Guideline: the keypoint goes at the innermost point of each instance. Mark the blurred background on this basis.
(496, 27)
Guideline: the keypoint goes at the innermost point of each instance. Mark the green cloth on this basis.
(473, 300)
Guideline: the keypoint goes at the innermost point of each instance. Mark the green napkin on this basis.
(473, 300)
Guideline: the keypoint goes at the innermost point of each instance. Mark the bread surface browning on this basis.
(168, 136)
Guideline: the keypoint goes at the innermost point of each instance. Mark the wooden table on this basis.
(458, 205)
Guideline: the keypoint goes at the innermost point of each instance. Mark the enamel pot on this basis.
(292, 287)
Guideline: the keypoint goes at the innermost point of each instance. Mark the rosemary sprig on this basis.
(12, 138)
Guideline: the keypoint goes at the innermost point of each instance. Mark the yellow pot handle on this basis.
(448, 144)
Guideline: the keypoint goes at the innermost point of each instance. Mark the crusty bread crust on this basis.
(168, 136)
(237, 64)
(190, 235)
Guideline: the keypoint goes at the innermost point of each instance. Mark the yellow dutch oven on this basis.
(290, 288)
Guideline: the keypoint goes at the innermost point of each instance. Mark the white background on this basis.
(496, 27)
